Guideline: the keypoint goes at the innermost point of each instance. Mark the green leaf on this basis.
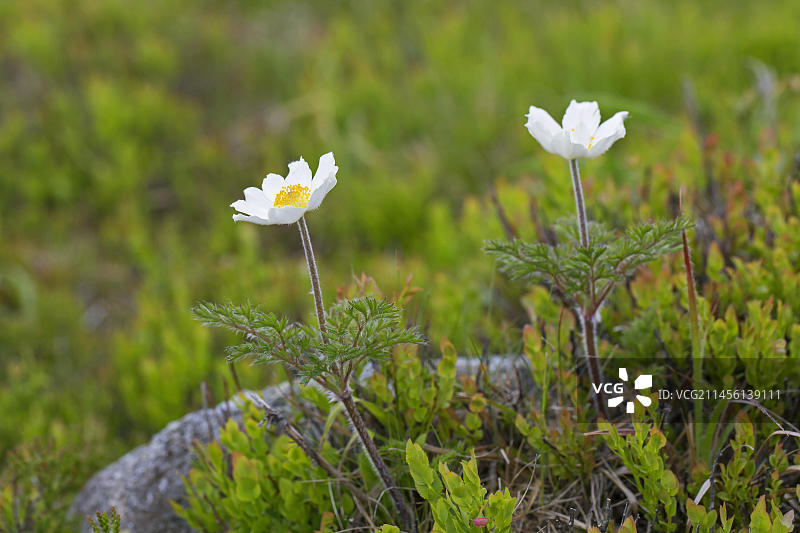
(500, 510)
(628, 526)
(245, 474)
(472, 421)
(670, 482)
(697, 513)
(335, 411)
(425, 479)
(522, 425)
(477, 403)
(759, 519)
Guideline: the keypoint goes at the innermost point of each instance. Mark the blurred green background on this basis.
(127, 128)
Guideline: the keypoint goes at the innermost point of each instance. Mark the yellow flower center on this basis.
(294, 195)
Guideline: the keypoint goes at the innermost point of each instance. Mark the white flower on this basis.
(284, 201)
(580, 135)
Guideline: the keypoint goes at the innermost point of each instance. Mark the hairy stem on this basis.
(284, 426)
(587, 315)
(312, 273)
(406, 514)
(595, 373)
(346, 396)
(577, 190)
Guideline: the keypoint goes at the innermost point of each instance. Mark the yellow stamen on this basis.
(294, 195)
(589, 147)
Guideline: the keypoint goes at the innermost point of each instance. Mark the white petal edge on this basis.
(256, 196)
(542, 127)
(271, 185)
(608, 133)
(250, 208)
(581, 115)
(613, 126)
(299, 174)
(326, 169)
(320, 192)
(255, 220)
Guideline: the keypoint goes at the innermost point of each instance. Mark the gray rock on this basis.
(141, 483)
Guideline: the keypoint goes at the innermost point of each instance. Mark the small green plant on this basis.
(759, 520)
(421, 400)
(250, 481)
(459, 504)
(628, 526)
(33, 485)
(349, 334)
(641, 453)
(106, 523)
(587, 260)
(560, 443)
(737, 474)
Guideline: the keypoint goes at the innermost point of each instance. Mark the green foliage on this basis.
(641, 452)
(32, 488)
(456, 501)
(759, 520)
(358, 329)
(628, 526)
(125, 134)
(106, 523)
(737, 474)
(560, 444)
(407, 398)
(568, 267)
(252, 481)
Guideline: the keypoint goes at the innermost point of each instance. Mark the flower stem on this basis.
(577, 189)
(345, 394)
(587, 314)
(312, 273)
(406, 514)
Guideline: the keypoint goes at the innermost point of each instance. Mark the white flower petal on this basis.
(250, 208)
(577, 151)
(542, 126)
(326, 169)
(271, 185)
(285, 215)
(255, 220)
(581, 118)
(608, 133)
(613, 126)
(321, 190)
(561, 145)
(256, 196)
(299, 174)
